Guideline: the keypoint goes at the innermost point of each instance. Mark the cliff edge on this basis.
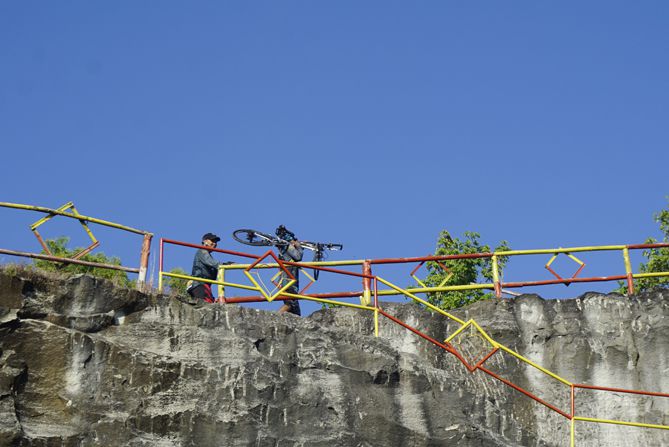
(85, 363)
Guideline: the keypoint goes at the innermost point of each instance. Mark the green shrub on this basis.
(58, 247)
(463, 271)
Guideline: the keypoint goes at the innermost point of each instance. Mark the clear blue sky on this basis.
(375, 124)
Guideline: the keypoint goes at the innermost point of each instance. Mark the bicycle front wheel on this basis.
(252, 237)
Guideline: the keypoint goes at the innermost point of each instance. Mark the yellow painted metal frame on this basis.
(569, 255)
(631, 424)
(42, 209)
(396, 290)
(441, 284)
(269, 296)
(75, 213)
(208, 281)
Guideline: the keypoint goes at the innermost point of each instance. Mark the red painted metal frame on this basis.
(68, 260)
(258, 298)
(449, 348)
(525, 392)
(609, 389)
(443, 267)
(271, 254)
(367, 276)
(218, 250)
(446, 346)
(518, 284)
(619, 390)
(430, 258)
(642, 246)
(547, 266)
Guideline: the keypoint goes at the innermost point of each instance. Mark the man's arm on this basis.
(207, 259)
(295, 251)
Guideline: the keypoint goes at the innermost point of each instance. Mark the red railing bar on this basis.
(620, 390)
(160, 256)
(430, 258)
(525, 392)
(447, 347)
(218, 250)
(573, 401)
(638, 246)
(258, 298)
(485, 359)
(328, 269)
(68, 260)
(481, 255)
(562, 281)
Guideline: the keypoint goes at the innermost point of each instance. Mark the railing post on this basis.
(628, 271)
(144, 262)
(366, 297)
(495, 277)
(160, 267)
(221, 287)
(572, 441)
(376, 307)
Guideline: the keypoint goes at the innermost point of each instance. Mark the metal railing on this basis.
(370, 293)
(369, 301)
(141, 271)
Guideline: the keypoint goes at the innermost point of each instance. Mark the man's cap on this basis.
(211, 237)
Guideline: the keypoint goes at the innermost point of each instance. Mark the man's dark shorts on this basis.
(202, 292)
(293, 306)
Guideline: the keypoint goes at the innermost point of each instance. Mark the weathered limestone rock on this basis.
(84, 363)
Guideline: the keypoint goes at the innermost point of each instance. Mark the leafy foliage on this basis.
(463, 271)
(177, 286)
(658, 259)
(58, 247)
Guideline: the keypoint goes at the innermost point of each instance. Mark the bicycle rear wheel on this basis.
(252, 237)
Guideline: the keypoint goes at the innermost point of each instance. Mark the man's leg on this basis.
(202, 293)
(291, 306)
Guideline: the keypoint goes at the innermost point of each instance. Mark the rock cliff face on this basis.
(84, 363)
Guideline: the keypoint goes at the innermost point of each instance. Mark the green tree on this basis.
(658, 258)
(177, 286)
(58, 247)
(462, 271)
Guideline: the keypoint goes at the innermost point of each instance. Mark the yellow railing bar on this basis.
(423, 302)
(550, 251)
(485, 335)
(530, 362)
(305, 264)
(269, 296)
(550, 261)
(460, 329)
(73, 216)
(62, 209)
(305, 273)
(650, 275)
(209, 281)
(572, 432)
(632, 424)
(495, 270)
(326, 301)
(439, 289)
(221, 287)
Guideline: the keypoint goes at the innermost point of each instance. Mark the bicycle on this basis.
(260, 239)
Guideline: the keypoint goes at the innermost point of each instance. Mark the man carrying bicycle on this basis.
(205, 266)
(291, 252)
